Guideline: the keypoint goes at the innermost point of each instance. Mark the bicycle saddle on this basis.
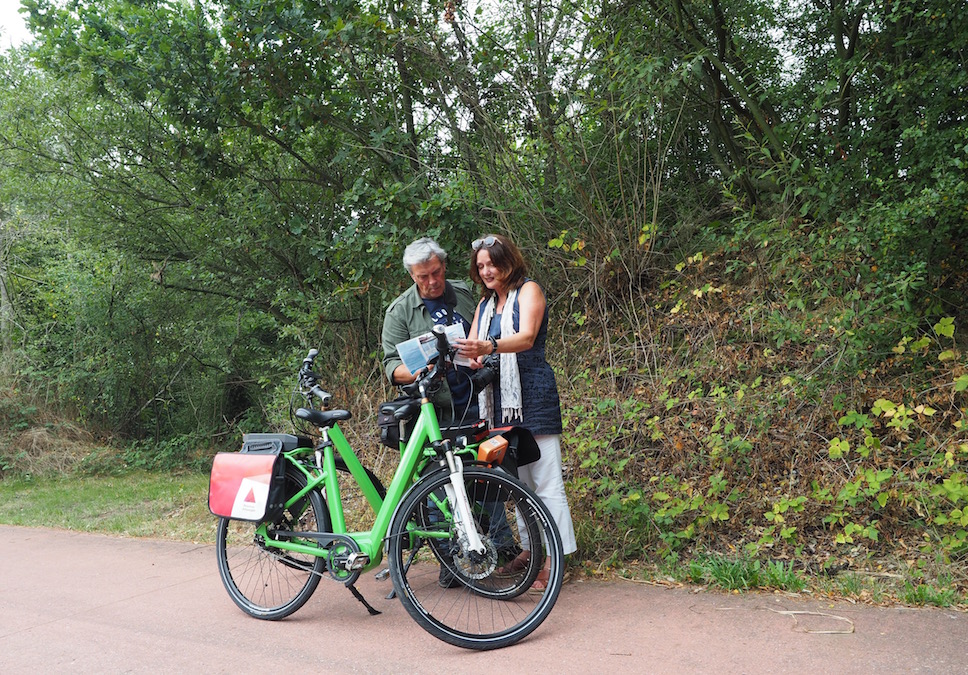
(400, 410)
(323, 418)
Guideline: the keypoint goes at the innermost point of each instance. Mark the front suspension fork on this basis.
(467, 533)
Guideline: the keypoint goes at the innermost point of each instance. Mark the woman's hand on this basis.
(474, 349)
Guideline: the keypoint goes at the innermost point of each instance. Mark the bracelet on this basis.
(493, 341)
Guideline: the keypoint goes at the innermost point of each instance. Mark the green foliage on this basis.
(741, 574)
(932, 483)
(748, 441)
(17, 414)
(923, 594)
(173, 455)
(754, 264)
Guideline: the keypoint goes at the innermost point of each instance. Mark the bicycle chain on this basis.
(332, 573)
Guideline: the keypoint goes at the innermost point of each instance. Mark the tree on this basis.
(269, 160)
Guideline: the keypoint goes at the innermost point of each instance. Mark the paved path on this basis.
(84, 603)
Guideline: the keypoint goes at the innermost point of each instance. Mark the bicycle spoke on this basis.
(477, 601)
(270, 583)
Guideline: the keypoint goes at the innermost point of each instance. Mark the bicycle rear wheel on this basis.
(492, 603)
(270, 583)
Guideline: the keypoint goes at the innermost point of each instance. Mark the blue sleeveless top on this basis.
(541, 407)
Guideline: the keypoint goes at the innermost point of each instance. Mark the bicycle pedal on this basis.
(356, 561)
(383, 574)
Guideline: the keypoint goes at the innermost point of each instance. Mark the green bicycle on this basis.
(454, 530)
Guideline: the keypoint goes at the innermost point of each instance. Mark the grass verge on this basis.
(134, 505)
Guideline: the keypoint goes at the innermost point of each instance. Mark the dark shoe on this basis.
(447, 579)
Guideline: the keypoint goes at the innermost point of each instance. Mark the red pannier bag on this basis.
(247, 486)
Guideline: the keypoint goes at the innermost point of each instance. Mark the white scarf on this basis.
(510, 376)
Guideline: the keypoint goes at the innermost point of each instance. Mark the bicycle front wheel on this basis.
(472, 600)
(270, 583)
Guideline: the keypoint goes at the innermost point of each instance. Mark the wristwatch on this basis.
(493, 341)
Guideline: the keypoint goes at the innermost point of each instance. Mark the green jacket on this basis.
(407, 317)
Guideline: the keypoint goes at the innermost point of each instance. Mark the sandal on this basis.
(520, 562)
(540, 584)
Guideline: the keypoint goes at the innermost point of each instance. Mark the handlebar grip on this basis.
(313, 353)
(443, 346)
(324, 396)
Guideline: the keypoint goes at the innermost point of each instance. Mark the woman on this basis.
(512, 321)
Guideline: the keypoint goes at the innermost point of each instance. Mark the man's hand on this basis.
(401, 375)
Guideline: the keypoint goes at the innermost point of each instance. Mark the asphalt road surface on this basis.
(85, 603)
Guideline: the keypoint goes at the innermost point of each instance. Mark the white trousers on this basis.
(544, 477)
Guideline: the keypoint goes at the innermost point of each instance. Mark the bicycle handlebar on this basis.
(443, 346)
(432, 378)
(426, 377)
(309, 381)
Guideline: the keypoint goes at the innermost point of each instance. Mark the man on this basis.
(433, 299)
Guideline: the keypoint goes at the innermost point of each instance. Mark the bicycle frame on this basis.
(426, 435)
(474, 555)
(479, 568)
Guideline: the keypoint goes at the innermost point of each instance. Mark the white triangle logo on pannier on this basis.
(252, 497)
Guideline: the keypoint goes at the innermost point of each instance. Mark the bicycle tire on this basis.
(489, 608)
(504, 583)
(269, 583)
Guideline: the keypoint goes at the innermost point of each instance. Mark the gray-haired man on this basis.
(433, 299)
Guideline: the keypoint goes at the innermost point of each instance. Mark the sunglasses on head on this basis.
(484, 242)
